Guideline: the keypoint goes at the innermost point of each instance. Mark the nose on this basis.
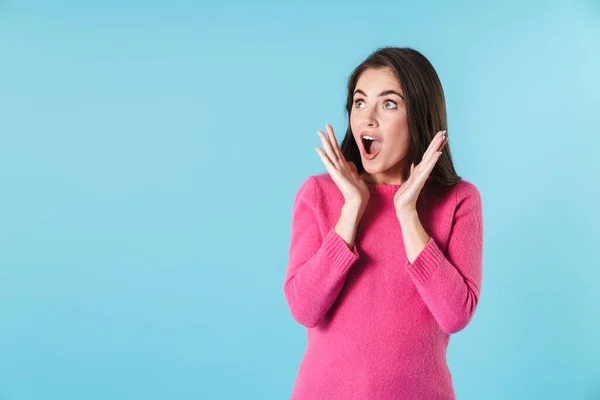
(369, 119)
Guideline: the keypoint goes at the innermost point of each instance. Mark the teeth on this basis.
(368, 137)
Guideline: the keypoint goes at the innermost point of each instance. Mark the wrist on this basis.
(352, 206)
(405, 213)
(352, 211)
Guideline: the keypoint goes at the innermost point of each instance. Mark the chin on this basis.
(379, 166)
(372, 169)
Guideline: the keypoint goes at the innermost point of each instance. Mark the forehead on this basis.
(376, 80)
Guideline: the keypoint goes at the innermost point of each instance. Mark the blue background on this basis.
(149, 157)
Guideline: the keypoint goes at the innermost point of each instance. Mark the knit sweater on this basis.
(378, 326)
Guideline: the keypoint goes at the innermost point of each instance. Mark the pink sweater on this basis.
(377, 326)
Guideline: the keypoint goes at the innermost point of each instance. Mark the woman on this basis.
(385, 258)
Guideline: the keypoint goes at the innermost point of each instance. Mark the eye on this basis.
(394, 105)
(356, 102)
(390, 101)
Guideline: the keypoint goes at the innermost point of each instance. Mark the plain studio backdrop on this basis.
(149, 157)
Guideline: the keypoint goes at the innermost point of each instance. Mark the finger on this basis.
(434, 145)
(430, 163)
(436, 142)
(328, 149)
(352, 166)
(419, 171)
(426, 166)
(444, 143)
(334, 142)
(326, 161)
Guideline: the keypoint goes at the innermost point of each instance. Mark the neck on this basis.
(389, 177)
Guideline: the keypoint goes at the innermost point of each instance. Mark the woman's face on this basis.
(378, 110)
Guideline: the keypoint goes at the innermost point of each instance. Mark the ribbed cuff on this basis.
(428, 260)
(337, 252)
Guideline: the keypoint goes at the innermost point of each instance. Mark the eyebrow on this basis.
(384, 93)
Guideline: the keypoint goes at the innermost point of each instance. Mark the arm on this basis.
(449, 285)
(317, 267)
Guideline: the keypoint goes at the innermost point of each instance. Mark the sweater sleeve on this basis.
(450, 284)
(317, 266)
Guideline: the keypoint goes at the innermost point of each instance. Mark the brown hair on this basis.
(425, 107)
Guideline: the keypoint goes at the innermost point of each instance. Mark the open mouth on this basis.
(371, 146)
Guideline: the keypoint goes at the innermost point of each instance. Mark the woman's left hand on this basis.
(405, 199)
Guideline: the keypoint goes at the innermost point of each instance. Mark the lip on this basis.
(365, 133)
(370, 156)
(364, 151)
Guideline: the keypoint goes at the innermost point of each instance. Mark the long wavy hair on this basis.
(425, 108)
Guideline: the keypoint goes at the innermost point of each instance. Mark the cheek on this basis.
(355, 126)
(397, 127)
(398, 122)
(353, 122)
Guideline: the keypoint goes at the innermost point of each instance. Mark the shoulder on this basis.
(466, 199)
(318, 183)
(320, 191)
(323, 182)
(314, 186)
(467, 191)
(453, 196)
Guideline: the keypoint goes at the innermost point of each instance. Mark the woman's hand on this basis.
(405, 199)
(344, 173)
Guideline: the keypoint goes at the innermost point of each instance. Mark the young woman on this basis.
(385, 258)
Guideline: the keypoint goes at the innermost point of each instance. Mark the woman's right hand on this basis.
(344, 173)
